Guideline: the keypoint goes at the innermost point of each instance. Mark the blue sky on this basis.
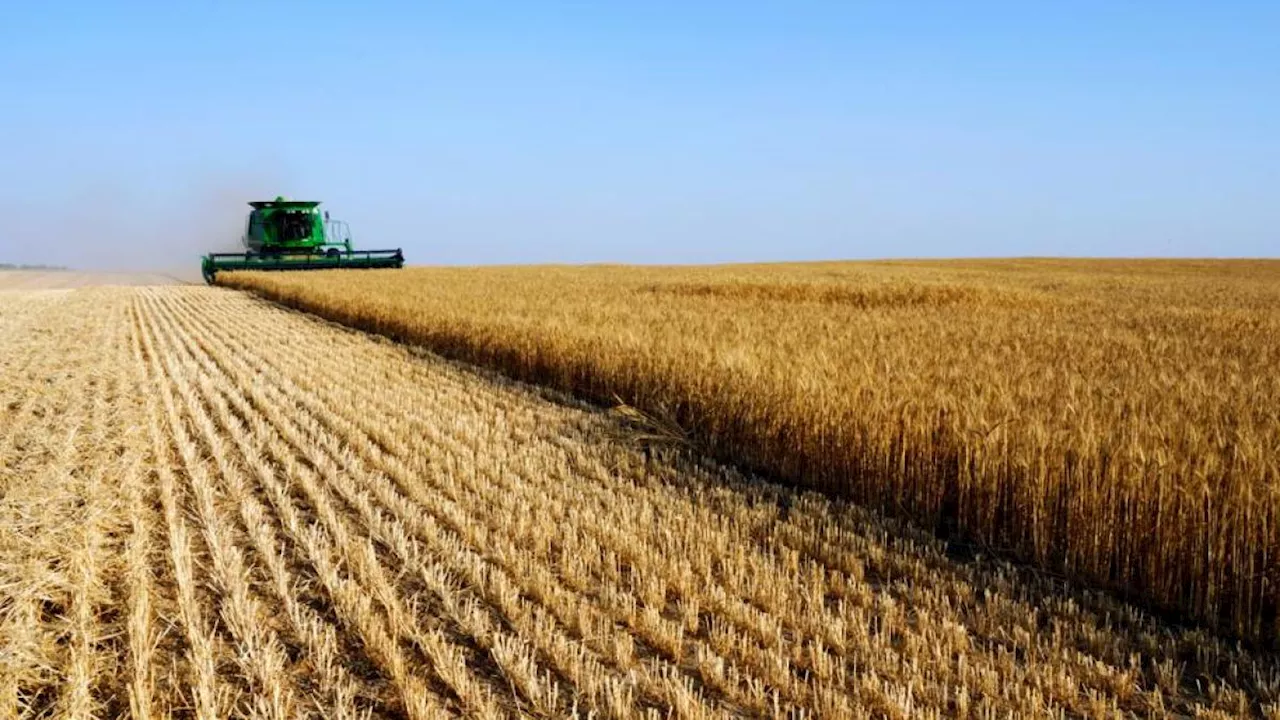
(133, 133)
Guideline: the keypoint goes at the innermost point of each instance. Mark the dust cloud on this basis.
(100, 226)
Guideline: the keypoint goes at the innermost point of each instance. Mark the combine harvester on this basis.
(285, 234)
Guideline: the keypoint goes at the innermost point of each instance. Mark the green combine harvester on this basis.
(285, 234)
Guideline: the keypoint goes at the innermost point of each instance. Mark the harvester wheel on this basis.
(332, 252)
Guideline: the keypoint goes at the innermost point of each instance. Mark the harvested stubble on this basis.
(1117, 422)
(212, 507)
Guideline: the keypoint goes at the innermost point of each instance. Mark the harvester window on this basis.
(294, 226)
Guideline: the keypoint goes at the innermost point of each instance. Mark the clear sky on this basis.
(133, 133)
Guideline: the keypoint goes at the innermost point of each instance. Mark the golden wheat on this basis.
(214, 507)
(1115, 422)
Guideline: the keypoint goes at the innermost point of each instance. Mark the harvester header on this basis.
(284, 234)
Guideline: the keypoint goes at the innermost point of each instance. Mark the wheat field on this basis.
(214, 507)
(1115, 422)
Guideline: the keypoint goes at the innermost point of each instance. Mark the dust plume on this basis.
(99, 225)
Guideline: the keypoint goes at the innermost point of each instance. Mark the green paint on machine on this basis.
(285, 234)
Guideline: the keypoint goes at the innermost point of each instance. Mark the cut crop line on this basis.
(243, 621)
(324, 653)
(244, 612)
(352, 602)
(211, 693)
(444, 657)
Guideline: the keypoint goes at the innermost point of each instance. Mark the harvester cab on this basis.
(285, 234)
